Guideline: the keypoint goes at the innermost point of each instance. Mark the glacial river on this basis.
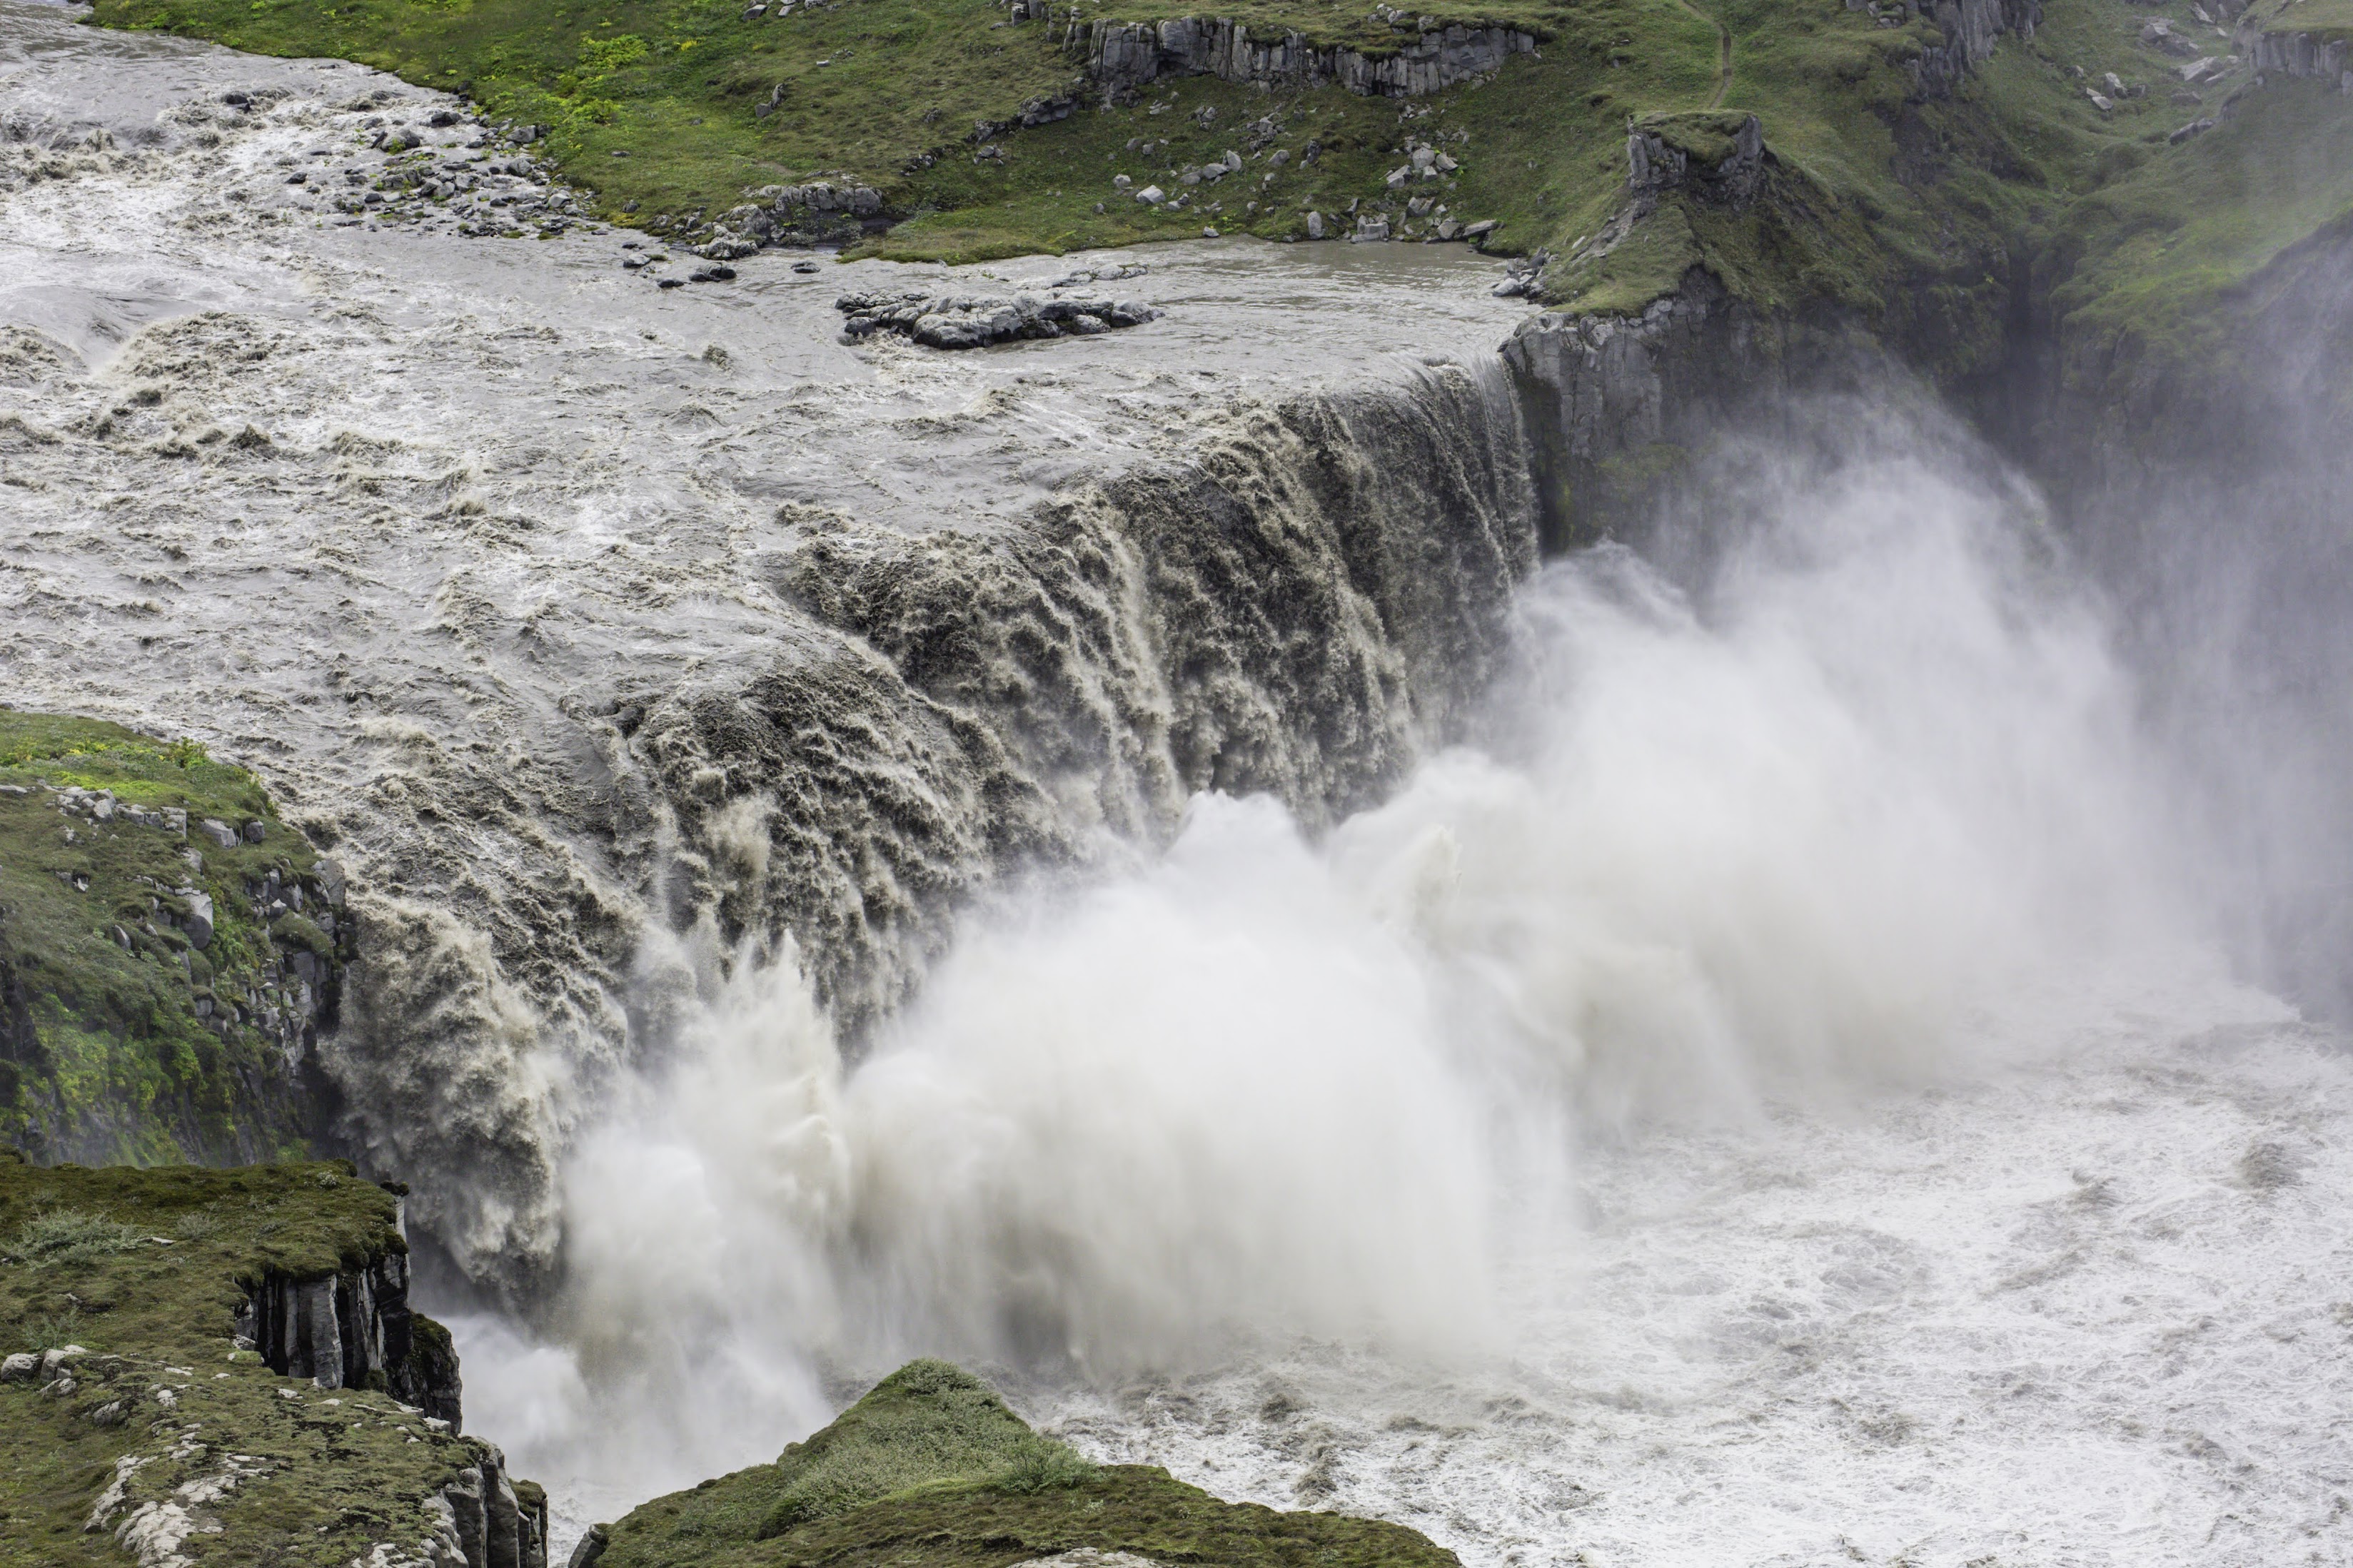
(1755, 1086)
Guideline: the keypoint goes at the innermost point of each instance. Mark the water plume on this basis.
(1788, 819)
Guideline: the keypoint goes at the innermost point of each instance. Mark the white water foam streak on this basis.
(1852, 830)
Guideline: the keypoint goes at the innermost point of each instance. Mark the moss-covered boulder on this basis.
(169, 948)
(929, 1469)
(140, 1421)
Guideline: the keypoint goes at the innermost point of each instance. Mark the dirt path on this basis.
(1722, 53)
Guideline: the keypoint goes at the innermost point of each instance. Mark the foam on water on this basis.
(1767, 1103)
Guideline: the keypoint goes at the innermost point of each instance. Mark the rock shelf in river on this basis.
(971, 321)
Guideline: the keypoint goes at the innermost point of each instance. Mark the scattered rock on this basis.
(219, 831)
(2195, 127)
(21, 1367)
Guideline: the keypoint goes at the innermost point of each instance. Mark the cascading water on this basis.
(1855, 811)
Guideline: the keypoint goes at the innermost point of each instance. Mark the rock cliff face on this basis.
(1123, 56)
(1972, 29)
(353, 1328)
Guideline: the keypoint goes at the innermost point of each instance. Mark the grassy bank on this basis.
(1886, 195)
(144, 1271)
(154, 980)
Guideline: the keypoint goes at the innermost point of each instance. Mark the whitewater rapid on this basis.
(1767, 1098)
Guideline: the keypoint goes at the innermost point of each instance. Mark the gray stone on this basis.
(256, 831)
(1314, 226)
(20, 1367)
(200, 922)
(219, 831)
(961, 321)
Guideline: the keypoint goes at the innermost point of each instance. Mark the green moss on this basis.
(930, 1468)
(145, 1270)
(122, 1041)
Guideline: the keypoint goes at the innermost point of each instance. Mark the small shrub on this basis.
(201, 1226)
(1045, 1466)
(53, 1334)
(70, 1239)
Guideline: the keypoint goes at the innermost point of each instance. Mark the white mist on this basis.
(1838, 815)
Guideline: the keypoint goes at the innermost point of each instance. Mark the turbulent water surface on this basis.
(1109, 860)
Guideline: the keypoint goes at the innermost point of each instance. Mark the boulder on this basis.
(219, 831)
(200, 922)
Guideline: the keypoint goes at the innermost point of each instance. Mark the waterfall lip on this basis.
(418, 525)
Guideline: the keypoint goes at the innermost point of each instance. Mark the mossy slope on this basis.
(929, 1469)
(127, 1031)
(1928, 205)
(145, 1269)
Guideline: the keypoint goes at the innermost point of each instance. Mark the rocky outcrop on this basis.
(1971, 29)
(321, 1412)
(353, 1328)
(1123, 56)
(2289, 54)
(1614, 402)
(149, 898)
(1719, 158)
(819, 213)
(962, 321)
(486, 1520)
(869, 1488)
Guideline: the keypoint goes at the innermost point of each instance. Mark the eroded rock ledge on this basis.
(168, 1428)
(1123, 56)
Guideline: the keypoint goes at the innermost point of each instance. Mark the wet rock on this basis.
(961, 321)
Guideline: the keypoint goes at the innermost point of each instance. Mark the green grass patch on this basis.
(120, 1037)
(145, 1269)
(930, 1468)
